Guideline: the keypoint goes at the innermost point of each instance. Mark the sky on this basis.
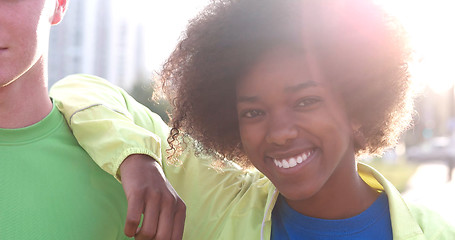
(430, 23)
(431, 26)
(164, 21)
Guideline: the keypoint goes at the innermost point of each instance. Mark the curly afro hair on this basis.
(362, 50)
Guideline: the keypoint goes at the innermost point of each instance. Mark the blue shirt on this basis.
(373, 223)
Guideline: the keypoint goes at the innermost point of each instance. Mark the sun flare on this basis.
(431, 28)
(430, 24)
(163, 22)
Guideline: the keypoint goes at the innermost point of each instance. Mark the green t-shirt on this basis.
(52, 189)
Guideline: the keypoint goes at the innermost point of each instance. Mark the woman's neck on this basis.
(344, 195)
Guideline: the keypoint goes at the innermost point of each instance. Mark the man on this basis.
(51, 188)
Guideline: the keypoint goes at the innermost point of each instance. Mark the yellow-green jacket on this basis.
(228, 204)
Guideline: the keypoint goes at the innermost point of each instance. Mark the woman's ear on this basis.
(59, 12)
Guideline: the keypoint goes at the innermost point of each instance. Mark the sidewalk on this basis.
(429, 187)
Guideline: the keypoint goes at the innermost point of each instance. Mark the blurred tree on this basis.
(143, 91)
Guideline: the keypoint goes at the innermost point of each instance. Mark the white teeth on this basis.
(278, 163)
(293, 161)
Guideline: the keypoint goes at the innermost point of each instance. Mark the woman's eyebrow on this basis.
(290, 89)
(246, 99)
(301, 86)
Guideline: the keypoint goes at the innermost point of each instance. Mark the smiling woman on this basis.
(294, 114)
(295, 88)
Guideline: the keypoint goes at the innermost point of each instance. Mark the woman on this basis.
(296, 89)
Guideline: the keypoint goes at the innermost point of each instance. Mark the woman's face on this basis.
(293, 128)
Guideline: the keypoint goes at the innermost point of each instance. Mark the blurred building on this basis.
(97, 37)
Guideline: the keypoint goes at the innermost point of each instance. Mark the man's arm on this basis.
(138, 136)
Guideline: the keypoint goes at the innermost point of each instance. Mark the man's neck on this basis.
(24, 102)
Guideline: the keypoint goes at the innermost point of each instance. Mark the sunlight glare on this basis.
(164, 22)
(430, 24)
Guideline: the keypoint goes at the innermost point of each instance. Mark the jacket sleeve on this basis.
(111, 125)
(108, 123)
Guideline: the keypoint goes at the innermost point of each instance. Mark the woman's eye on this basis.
(307, 102)
(252, 113)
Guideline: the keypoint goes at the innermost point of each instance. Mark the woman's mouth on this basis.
(293, 161)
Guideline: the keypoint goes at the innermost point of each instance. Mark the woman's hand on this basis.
(148, 192)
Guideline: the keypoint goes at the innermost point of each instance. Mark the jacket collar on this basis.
(404, 226)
